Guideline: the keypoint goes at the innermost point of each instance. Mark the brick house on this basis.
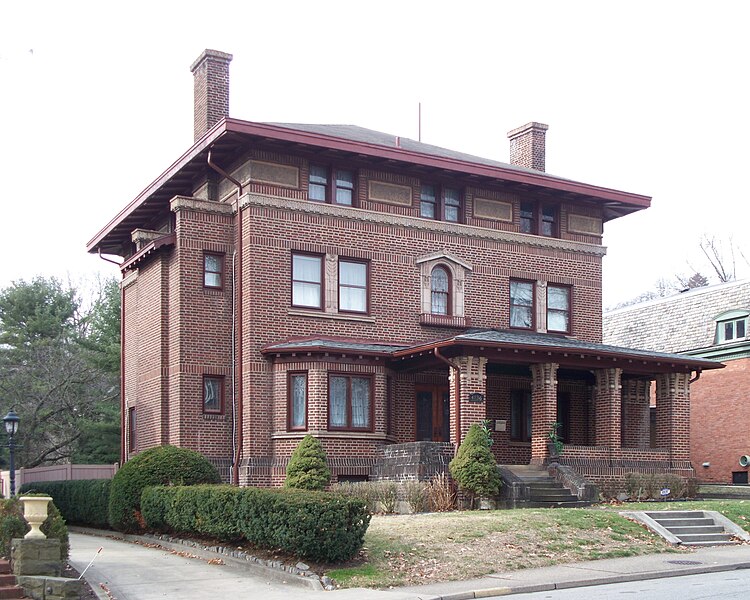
(707, 322)
(370, 290)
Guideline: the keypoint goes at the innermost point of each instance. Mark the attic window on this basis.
(731, 326)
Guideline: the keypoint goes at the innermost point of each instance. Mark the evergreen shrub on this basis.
(474, 467)
(307, 468)
(163, 465)
(315, 525)
(81, 502)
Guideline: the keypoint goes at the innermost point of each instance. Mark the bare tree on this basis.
(720, 255)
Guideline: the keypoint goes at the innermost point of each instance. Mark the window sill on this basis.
(519, 444)
(297, 312)
(324, 433)
(444, 320)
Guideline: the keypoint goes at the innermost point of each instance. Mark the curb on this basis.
(587, 582)
(241, 560)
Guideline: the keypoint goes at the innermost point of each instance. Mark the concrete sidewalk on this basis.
(134, 571)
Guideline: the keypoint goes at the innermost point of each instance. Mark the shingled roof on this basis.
(681, 323)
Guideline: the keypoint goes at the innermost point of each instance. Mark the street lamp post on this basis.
(11, 427)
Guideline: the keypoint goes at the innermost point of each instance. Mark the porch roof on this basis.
(509, 346)
(504, 346)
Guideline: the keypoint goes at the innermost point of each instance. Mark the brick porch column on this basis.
(607, 408)
(636, 394)
(473, 378)
(543, 408)
(673, 415)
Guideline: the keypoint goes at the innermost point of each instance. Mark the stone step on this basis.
(11, 592)
(698, 529)
(705, 537)
(669, 523)
(557, 495)
(7, 579)
(676, 514)
(4, 567)
(542, 504)
(727, 543)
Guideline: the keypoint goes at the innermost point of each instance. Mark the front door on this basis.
(433, 413)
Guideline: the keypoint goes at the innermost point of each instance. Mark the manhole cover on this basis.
(684, 562)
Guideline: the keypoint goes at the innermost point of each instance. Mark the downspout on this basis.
(697, 376)
(457, 389)
(237, 408)
(122, 360)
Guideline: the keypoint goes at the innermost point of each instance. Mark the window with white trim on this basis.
(732, 326)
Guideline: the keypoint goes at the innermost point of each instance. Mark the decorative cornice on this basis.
(469, 231)
(444, 256)
(179, 203)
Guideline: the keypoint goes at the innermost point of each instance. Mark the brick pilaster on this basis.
(635, 413)
(608, 408)
(543, 408)
(473, 379)
(673, 414)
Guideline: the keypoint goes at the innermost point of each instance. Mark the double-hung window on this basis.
(353, 286)
(307, 280)
(349, 402)
(558, 308)
(440, 291)
(297, 401)
(335, 186)
(213, 394)
(440, 202)
(522, 304)
(538, 219)
(213, 268)
(731, 326)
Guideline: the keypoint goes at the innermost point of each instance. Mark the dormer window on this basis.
(731, 326)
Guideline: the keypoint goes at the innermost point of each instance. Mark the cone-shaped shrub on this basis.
(307, 468)
(163, 465)
(474, 468)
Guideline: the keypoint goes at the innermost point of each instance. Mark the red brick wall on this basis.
(719, 412)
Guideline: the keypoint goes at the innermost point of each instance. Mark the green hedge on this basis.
(163, 465)
(82, 502)
(317, 525)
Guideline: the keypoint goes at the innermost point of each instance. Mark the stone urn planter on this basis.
(35, 512)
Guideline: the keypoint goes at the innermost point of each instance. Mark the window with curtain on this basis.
(318, 183)
(298, 401)
(319, 187)
(522, 304)
(349, 402)
(440, 202)
(307, 280)
(213, 394)
(213, 267)
(440, 291)
(558, 308)
(353, 286)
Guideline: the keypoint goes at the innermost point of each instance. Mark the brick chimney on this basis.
(211, 90)
(527, 145)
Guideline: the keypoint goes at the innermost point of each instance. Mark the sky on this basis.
(647, 97)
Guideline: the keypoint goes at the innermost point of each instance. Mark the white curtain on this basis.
(299, 400)
(337, 402)
(360, 402)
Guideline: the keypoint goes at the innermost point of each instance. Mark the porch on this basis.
(522, 384)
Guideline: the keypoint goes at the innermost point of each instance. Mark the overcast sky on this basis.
(646, 97)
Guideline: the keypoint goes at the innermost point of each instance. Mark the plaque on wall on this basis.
(476, 397)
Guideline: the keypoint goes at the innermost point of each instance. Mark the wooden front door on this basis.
(433, 413)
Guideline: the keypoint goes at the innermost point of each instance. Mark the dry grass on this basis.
(426, 548)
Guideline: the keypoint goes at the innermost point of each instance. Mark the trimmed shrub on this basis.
(163, 465)
(13, 525)
(316, 525)
(307, 468)
(81, 502)
(474, 467)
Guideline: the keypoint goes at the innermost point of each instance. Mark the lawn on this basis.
(426, 548)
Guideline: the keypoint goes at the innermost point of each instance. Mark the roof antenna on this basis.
(420, 122)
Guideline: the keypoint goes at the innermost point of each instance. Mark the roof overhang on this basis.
(230, 134)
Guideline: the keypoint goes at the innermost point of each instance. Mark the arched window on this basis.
(440, 291)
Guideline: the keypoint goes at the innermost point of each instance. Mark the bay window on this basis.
(349, 402)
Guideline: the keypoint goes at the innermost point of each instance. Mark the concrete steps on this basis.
(542, 490)
(691, 527)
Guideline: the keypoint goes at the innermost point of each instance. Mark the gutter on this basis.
(236, 351)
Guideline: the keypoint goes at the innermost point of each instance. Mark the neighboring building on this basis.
(707, 322)
(370, 290)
